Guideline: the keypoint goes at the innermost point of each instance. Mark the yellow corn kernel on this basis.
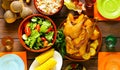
(45, 56)
(48, 65)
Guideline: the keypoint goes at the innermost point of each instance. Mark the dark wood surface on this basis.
(107, 28)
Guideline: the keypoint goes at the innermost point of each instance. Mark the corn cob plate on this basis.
(56, 56)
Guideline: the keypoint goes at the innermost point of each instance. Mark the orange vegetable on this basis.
(45, 43)
(49, 29)
(27, 31)
(38, 27)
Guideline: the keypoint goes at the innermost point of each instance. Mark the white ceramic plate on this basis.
(56, 56)
(11, 62)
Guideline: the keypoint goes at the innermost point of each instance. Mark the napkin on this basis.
(109, 61)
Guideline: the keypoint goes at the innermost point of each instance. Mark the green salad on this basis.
(38, 33)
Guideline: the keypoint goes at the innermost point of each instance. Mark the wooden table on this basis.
(107, 28)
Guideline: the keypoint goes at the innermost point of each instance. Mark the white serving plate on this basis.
(56, 56)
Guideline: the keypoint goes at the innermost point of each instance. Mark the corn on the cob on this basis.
(48, 65)
(45, 56)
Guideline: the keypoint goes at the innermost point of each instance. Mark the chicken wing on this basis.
(73, 30)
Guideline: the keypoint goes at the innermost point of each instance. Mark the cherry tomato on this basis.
(38, 27)
(43, 38)
(27, 31)
(49, 29)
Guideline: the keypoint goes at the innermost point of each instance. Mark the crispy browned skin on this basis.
(78, 32)
(80, 40)
(73, 30)
(70, 46)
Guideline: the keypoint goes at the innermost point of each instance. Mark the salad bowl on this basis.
(37, 33)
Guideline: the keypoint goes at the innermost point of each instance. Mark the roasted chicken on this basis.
(71, 29)
(78, 33)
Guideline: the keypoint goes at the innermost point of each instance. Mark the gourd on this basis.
(25, 12)
(16, 10)
(16, 6)
(9, 16)
(6, 4)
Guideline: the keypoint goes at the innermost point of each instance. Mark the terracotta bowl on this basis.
(22, 28)
(48, 13)
(79, 58)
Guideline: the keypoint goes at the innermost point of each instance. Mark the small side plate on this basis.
(109, 8)
(11, 62)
